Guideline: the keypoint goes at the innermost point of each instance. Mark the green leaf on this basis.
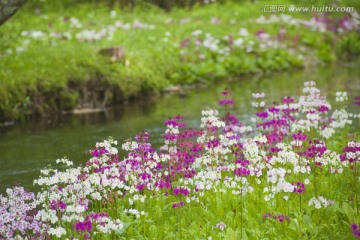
(230, 234)
(153, 230)
(170, 235)
(308, 221)
(350, 212)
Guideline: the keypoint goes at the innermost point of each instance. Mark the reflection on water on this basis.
(27, 148)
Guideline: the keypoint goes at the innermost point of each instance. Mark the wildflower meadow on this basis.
(290, 171)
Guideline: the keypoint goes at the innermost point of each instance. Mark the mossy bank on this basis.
(55, 58)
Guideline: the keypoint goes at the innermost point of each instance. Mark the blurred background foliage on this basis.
(169, 4)
(50, 61)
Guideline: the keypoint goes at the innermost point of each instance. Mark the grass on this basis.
(45, 75)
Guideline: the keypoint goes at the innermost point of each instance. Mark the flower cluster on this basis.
(17, 211)
(341, 96)
(178, 205)
(258, 102)
(226, 100)
(357, 101)
(279, 217)
(299, 187)
(351, 152)
(224, 156)
(320, 201)
(355, 230)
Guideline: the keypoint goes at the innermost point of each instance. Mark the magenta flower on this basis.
(262, 114)
(351, 152)
(280, 217)
(299, 136)
(57, 205)
(226, 92)
(357, 101)
(181, 191)
(355, 230)
(288, 100)
(178, 205)
(299, 187)
(142, 136)
(85, 226)
(323, 108)
(226, 102)
(98, 152)
(274, 110)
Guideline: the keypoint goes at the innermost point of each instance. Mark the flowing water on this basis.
(26, 148)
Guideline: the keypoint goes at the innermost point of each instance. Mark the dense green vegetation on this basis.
(50, 60)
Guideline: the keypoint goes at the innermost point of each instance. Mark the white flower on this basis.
(113, 14)
(221, 226)
(58, 232)
(239, 42)
(243, 32)
(196, 32)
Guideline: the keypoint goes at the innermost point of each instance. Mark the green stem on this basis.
(355, 188)
(315, 185)
(300, 218)
(241, 211)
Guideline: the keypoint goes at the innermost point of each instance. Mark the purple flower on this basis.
(185, 43)
(175, 122)
(350, 152)
(299, 136)
(299, 187)
(225, 92)
(178, 205)
(55, 205)
(17, 211)
(241, 172)
(87, 236)
(143, 136)
(85, 226)
(279, 217)
(355, 230)
(288, 100)
(61, 205)
(181, 191)
(262, 114)
(226, 101)
(353, 226)
(98, 152)
(213, 143)
(140, 186)
(357, 101)
(274, 110)
(323, 108)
